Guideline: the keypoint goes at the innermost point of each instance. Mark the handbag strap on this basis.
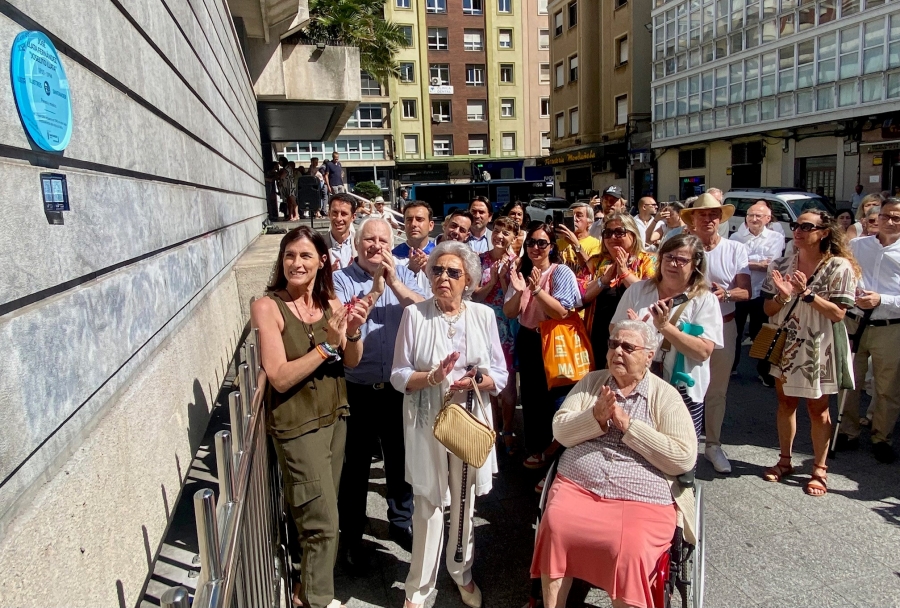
(474, 392)
(666, 345)
(790, 310)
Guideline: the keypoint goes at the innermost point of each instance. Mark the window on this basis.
(573, 14)
(411, 144)
(439, 73)
(622, 110)
(692, 159)
(410, 109)
(560, 75)
(403, 3)
(437, 39)
(368, 85)
(473, 40)
(475, 75)
(366, 116)
(545, 73)
(435, 6)
(543, 39)
(545, 142)
(622, 50)
(407, 32)
(407, 71)
(573, 122)
(557, 24)
(507, 72)
(542, 7)
(440, 110)
(560, 125)
(545, 107)
(475, 109)
(473, 7)
(508, 142)
(360, 148)
(477, 144)
(573, 68)
(849, 53)
(504, 6)
(507, 108)
(506, 39)
(443, 145)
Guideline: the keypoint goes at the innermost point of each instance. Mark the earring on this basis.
(466, 289)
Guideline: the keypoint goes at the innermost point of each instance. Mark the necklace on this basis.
(713, 243)
(451, 331)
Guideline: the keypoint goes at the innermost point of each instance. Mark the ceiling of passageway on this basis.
(297, 121)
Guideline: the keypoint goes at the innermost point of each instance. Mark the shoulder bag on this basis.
(769, 342)
(458, 430)
(566, 348)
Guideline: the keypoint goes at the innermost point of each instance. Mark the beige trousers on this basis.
(883, 345)
(428, 536)
(720, 363)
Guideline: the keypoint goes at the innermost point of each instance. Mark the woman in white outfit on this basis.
(438, 340)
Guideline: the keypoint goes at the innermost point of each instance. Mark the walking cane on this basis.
(854, 346)
(458, 557)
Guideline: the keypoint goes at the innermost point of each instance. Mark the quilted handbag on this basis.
(768, 344)
(458, 430)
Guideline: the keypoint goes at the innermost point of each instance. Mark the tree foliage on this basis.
(368, 190)
(359, 23)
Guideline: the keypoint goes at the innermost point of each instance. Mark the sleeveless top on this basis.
(318, 400)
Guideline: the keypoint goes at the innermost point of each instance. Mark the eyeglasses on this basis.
(626, 346)
(454, 273)
(676, 260)
(539, 243)
(890, 219)
(805, 227)
(618, 233)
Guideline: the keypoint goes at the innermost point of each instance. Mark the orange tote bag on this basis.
(566, 347)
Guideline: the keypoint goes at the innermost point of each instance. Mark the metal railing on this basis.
(243, 554)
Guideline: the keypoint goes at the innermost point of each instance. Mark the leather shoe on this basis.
(473, 599)
(845, 444)
(355, 561)
(883, 452)
(401, 536)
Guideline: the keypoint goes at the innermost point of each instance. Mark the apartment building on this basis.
(600, 98)
(776, 93)
(470, 91)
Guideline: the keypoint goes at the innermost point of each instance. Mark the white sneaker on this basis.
(716, 456)
(748, 341)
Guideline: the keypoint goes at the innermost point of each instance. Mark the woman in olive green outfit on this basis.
(306, 338)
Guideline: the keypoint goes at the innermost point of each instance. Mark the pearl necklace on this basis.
(451, 330)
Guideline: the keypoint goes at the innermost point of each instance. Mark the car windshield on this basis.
(550, 203)
(799, 205)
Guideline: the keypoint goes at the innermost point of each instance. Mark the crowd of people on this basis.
(364, 341)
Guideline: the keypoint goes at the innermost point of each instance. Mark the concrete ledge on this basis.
(256, 269)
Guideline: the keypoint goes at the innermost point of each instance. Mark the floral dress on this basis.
(505, 326)
(815, 351)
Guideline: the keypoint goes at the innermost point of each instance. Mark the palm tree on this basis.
(359, 23)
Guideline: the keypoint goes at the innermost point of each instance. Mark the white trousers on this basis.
(428, 536)
(720, 363)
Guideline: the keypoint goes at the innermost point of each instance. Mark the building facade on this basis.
(766, 93)
(600, 99)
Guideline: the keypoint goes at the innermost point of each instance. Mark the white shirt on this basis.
(855, 200)
(702, 310)
(595, 230)
(421, 277)
(880, 273)
(768, 245)
(723, 264)
(642, 226)
(340, 254)
(385, 215)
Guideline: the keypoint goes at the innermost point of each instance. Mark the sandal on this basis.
(536, 461)
(817, 484)
(509, 443)
(776, 473)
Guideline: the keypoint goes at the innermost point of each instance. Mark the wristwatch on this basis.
(727, 296)
(577, 248)
(808, 298)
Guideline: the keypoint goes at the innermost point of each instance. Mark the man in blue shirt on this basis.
(414, 252)
(376, 409)
(479, 236)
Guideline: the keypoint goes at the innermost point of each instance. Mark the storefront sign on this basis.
(576, 156)
(41, 90)
(442, 89)
(883, 146)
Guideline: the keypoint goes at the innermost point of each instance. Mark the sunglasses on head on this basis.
(805, 227)
(626, 346)
(539, 243)
(618, 233)
(454, 273)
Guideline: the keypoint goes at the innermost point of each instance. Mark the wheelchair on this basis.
(682, 568)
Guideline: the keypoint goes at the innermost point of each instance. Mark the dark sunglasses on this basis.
(619, 233)
(626, 346)
(805, 227)
(539, 243)
(454, 273)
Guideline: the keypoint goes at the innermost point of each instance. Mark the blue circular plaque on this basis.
(41, 91)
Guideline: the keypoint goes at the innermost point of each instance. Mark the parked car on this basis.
(541, 209)
(787, 205)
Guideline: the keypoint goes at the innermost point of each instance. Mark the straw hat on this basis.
(378, 199)
(707, 201)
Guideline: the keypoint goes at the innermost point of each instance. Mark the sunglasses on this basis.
(626, 346)
(805, 227)
(676, 260)
(539, 243)
(619, 233)
(454, 273)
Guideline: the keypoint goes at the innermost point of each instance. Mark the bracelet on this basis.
(355, 337)
(321, 352)
(430, 379)
(536, 291)
(782, 302)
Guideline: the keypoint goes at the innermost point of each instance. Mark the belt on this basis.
(875, 322)
(378, 386)
(728, 317)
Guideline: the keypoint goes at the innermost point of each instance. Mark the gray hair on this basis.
(716, 193)
(362, 227)
(588, 210)
(469, 259)
(648, 333)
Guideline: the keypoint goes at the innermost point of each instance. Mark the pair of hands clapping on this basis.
(790, 284)
(346, 321)
(520, 283)
(609, 413)
(467, 382)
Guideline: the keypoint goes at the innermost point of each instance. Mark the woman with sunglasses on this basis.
(808, 293)
(446, 344)
(678, 304)
(544, 289)
(622, 263)
(869, 202)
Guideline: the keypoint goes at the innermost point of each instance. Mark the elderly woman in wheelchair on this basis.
(616, 499)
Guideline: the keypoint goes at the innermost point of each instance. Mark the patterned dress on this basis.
(814, 353)
(494, 299)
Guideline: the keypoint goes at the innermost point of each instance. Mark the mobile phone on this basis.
(679, 300)
(569, 219)
(557, 219)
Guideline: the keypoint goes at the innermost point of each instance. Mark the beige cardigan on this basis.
(670, 445)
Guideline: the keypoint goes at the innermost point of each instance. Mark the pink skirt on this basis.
(586, 537)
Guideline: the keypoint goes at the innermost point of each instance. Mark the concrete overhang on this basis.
(260, 17)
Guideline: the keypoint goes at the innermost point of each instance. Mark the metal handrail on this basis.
(240, 549)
